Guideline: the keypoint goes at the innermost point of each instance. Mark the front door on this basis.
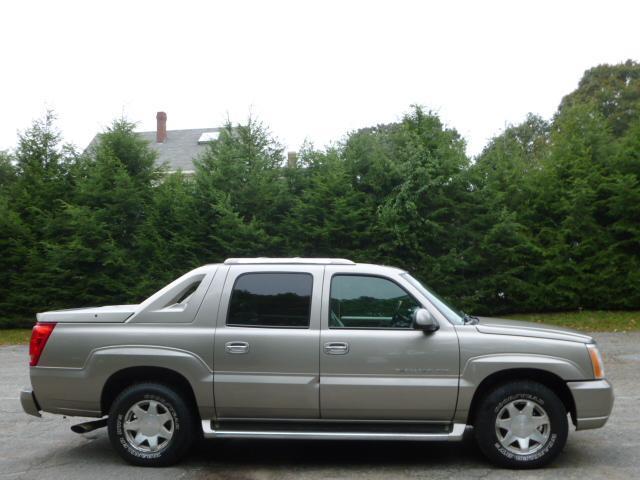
(266, 352)
(373, 364)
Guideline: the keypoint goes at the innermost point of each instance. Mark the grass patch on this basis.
(588, 320)
(15, 336)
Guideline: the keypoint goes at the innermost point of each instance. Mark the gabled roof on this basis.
(180, 147)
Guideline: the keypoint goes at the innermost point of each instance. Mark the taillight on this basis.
(39, 336)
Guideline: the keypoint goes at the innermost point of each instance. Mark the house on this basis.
(178, 148)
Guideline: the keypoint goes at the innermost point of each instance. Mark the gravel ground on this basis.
(46, 448)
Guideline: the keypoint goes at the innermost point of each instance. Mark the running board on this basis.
(456, 434)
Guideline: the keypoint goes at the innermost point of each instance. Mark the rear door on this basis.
(373, 364)
(266, 352)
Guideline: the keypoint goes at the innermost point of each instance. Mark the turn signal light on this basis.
(39, 336)
(596, 361)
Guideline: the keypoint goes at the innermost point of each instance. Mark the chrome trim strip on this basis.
(327, 421)
(456, 434)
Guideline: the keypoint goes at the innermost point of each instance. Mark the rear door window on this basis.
(271, 300)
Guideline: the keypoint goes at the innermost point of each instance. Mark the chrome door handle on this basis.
(336, 348)
(236, 347)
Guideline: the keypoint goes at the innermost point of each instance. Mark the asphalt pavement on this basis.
(45, 448)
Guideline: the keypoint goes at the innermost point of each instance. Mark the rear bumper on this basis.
(593, 400)
(29, 402)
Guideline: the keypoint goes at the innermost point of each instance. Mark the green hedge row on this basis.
(547, 217)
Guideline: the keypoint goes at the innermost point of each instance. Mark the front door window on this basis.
(359, 301)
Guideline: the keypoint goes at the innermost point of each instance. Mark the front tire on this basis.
(151, 425)
(521, 425)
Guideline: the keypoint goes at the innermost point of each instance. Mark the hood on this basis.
(498, 326)
(108, 314)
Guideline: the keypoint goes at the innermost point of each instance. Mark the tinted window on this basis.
(271, 300)
(369, 302)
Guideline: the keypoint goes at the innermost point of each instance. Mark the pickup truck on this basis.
(312, 349)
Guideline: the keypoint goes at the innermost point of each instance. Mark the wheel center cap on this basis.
(150, 426)
(521, 426)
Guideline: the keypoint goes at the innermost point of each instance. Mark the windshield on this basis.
(452, 315)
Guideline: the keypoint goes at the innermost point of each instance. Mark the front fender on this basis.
(477, 369)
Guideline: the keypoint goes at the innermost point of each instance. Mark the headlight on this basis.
(596, 361)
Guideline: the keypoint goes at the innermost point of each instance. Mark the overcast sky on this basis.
(308, 69)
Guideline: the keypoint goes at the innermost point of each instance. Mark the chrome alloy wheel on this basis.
(522, 427)
(148, 426)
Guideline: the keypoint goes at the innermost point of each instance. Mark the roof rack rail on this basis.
(285, 261)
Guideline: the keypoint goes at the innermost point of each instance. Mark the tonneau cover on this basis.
(108, 314)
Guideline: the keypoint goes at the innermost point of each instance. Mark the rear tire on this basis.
(151, 425)
(521, 425)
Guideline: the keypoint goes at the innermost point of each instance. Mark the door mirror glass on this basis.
(423, 320)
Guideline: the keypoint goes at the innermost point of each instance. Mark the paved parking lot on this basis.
(46, 449)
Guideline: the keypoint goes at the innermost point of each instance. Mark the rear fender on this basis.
(53, 384)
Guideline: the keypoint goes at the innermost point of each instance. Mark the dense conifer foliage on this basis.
(547, 217)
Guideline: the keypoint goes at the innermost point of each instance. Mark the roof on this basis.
(288, 261)
(180, 147)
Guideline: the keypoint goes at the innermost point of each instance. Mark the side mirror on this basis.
(423, 320)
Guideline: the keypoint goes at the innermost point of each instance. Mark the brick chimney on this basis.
(161, 130)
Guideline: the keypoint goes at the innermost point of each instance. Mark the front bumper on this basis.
(29, 402)
(593, 400)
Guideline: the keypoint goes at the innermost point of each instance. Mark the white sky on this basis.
(308, 69)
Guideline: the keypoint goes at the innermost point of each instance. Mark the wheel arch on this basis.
(126, 377)
(111, 368)
(544, 377)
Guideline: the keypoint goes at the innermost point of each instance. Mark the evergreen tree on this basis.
(619, 213)
(42, 167)
(94, 259)
(417, 223)
(571, 224)
(614, 90)
(7, 172)
(246, 162)
(329, 216)
(14, 245)
(504, 254)
(166, 245)
(35, 201)
(546, 217)
(240, 194)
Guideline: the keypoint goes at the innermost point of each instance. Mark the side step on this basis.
(455, 433)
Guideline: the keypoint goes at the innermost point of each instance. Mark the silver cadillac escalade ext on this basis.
(312, 349)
